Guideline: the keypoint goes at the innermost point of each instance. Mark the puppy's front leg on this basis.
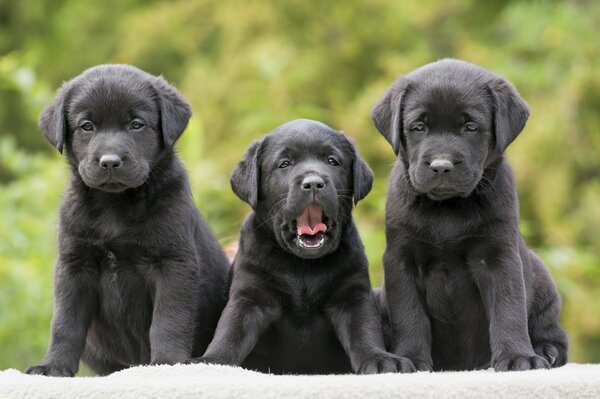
(75, 299)
(411, 327)
(355, 318)
(240, 326)
(502, 288)
(172, 329)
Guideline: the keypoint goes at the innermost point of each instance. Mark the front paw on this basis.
(209, 360)
(386, 363)
(51, 370)
(516, 362)
(197, 360)
(422, 365)
(551, 353)
(169, 359)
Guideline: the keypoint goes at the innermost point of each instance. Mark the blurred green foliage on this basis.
(248, 66)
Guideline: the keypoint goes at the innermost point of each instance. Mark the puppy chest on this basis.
(303, 301)
(449, 290)
(124, 296)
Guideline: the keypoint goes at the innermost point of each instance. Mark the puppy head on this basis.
(301, 180)
(448, 121)
(115, 122)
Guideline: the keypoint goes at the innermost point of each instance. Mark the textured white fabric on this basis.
(209, 381)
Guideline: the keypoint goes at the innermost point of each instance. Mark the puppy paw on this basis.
(51, 370)
(197, 360)
(386, 363)
(551, 353)
(168, 358)
(521, 363)
(423, 365)
(209, 360)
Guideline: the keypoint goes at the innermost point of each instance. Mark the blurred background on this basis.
(247, 66)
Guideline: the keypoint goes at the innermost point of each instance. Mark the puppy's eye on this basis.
(136, 125)
(332, 161)
(87, 126)
(419, 127)
(471, 127)
(284, 164)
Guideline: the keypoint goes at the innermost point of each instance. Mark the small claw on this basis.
(547, 351)
(405, 365)
(521, 363)
(196, 360)
(50, 371)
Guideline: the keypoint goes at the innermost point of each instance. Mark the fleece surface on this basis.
(208, 381)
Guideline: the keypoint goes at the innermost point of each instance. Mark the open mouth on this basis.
(311, 227)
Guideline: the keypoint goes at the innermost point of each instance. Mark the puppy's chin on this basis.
(442, 193)
(445, 195)
(112, 187)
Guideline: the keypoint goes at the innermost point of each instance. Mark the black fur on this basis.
(294, 309)
(139, 276)
(463, 291)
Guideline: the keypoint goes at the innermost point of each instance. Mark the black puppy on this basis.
(300, 299)
(462, 288)
(139, 277)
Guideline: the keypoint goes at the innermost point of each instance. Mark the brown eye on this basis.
(419, 127)
(136, 125)
(471, 127)
(284, 164)
(87, 126)
(332, 161)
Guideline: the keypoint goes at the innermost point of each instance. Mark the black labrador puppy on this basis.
(139, 277)
(300, 299)
(462, 288)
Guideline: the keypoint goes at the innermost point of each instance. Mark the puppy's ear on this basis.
(387, 113)
(245, 177)
(362, 175)
(175, 111)
(510, 113)
(53, 120)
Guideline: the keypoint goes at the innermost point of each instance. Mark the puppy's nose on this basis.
(441, 166)
(313, 183)
(110, 161)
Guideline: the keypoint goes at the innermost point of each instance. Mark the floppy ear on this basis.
(245, 177)
(362, 175)
(387, 113)
(510, 113)
(52, 120)
(175, 111)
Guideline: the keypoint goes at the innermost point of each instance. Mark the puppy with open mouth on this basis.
(139, 276)
(463, 291)
(300, 298)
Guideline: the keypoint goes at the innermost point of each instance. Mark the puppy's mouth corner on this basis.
(311, 227)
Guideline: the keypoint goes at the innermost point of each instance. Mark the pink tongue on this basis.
(311, 221)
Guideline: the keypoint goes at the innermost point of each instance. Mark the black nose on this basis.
(110, 161)
(441, 166)
(313, 183)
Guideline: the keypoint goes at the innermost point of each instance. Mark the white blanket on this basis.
(208, 381)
